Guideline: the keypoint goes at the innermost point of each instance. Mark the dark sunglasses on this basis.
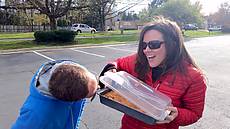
(154, 44)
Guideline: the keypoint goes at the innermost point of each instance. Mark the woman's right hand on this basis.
(106, 69)
(111, 70)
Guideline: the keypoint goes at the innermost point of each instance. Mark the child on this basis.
(56, 99)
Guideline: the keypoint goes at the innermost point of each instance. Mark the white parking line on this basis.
(54, 60)
(43, 56)
(87, 53)
(96, 46)
(119, 49)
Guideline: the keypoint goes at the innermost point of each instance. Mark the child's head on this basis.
(72, 82)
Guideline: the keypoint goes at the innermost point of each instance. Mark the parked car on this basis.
(190, 27)
(215, 28)
(80, 28)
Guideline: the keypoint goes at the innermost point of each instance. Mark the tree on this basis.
(144, 15)
(129, 17)
(102, 8)
(109, 9)
(181, 11)
(53, 9)
(157, 3)
(221, 17)
(9, 18)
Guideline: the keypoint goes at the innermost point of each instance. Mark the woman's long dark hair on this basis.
(176, 53)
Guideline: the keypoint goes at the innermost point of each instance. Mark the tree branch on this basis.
(123, 10)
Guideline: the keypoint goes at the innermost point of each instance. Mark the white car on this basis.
(215, 28)
(80, 28)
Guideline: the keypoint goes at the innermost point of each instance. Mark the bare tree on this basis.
(106, 10)
(102, 8)
(53, 9)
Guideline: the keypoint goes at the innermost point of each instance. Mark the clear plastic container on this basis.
(152, 102)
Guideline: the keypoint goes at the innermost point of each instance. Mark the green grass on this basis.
(98, 34)
(16, 35)
(5, 45)
(98, 38)
(191, 34)
(201, 33)
(108, 39)
(109, 33)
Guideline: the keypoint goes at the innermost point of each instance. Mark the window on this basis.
(82, 26)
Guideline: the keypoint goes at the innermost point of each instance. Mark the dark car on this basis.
(190, 27)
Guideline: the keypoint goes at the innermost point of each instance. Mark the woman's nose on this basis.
(147, 48)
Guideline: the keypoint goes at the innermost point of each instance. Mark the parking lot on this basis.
(212, 55)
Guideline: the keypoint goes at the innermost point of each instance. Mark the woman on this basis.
(163, 62)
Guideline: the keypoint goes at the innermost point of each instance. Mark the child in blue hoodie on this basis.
(57, 97)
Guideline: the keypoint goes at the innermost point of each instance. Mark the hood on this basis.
(40, 80)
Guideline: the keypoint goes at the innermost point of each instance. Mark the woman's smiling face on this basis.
(155, 57)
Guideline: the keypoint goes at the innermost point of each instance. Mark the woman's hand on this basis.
(172, 115)
(111, 70)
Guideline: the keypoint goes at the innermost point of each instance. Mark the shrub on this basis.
(54, 36)
(44, 36)
(64, 35)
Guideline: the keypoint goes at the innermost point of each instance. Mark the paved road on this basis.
(212, 55)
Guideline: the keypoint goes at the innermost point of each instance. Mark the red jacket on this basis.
(187, 94)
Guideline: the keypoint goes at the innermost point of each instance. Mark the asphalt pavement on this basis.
(211, 54)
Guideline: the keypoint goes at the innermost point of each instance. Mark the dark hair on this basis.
(69, 82)
(176, 53)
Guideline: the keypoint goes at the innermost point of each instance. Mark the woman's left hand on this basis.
(172, 115)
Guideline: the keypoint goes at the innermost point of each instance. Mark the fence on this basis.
(12, 28)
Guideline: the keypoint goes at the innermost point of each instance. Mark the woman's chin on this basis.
(153, 64)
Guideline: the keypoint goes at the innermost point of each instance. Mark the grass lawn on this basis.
(114, 39)
(109, 33)
(98, 34)
(4, 45)
(97, 38)
(201, 33)
(16, 35)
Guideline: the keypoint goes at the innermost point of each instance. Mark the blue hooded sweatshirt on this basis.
(41, 111)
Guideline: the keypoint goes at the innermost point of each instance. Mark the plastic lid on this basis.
(152, 102)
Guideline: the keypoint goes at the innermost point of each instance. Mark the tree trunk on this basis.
(53, 23)
(103, 20)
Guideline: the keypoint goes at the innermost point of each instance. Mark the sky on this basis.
(208, 6)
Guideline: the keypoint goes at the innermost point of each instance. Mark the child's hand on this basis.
(172, 115)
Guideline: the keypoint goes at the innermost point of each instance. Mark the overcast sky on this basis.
(209, 6)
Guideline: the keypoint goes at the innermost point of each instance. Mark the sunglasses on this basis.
(154, 44)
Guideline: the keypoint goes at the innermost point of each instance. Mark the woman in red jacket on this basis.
(163, 62)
